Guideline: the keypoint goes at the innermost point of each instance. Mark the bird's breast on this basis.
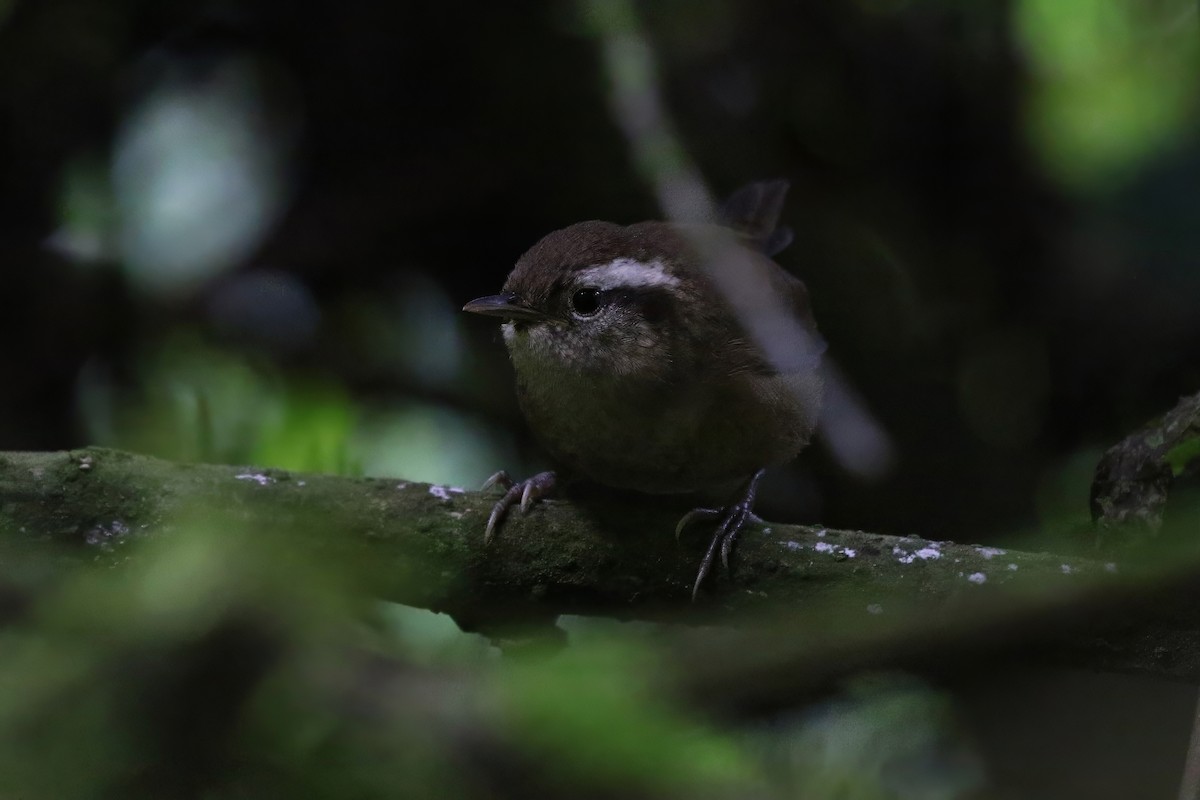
(661, 437)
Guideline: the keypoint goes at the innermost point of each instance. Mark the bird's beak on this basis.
(506, 305)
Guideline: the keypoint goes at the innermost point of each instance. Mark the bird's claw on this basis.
(733, 518)
(528, 496)
(696, 515)
(521, 493)
(501, 478)
(707, 515)
(732, 522)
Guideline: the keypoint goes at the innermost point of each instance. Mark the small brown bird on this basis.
(634, 371)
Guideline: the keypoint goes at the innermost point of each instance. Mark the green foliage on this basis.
(428, 443)
(86, 213)
(225, 665)
(1182, 455)
(1116, 82)
(199, 403)
(574, 713)
(109, 686)
(887, 737)
(311, 431)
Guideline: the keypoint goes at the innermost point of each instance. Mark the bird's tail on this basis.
(753, 211)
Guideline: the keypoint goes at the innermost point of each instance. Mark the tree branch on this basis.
(870, 600)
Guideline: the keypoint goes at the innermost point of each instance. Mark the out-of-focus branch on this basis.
(853, 435)
(1136, 475)
(848, 599)
(1133, 481)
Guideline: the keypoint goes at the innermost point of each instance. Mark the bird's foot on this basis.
(525, 493)
(731, 520)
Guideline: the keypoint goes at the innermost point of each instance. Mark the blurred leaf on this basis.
(87, 218)
(1116, 82)
(222, 662)
(312, 432)
(191, 402)
(1061, 495)
(1182, 455)
(887, 737)
(595, 715)
(432, 638)
(194, 402)
(428, 443)
(127, 682)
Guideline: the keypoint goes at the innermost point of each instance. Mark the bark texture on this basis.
(1135, 476)
(808, 603)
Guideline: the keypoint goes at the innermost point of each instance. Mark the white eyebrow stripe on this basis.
(627, 273)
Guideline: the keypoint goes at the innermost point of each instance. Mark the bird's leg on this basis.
(525, 492)
(732, 519)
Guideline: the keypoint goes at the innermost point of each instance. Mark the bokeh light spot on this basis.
(201, 175)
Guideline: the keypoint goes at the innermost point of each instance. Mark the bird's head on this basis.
(598, 298)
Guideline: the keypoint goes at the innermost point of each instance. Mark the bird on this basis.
(635, 371)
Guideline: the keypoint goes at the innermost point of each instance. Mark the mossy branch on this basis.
(870, 600)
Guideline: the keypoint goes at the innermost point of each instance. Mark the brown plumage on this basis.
(633, 369)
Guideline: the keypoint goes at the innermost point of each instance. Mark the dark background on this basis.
(993, 202)
(1001, 325)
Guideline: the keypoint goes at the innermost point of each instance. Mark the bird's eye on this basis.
(586, 302)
